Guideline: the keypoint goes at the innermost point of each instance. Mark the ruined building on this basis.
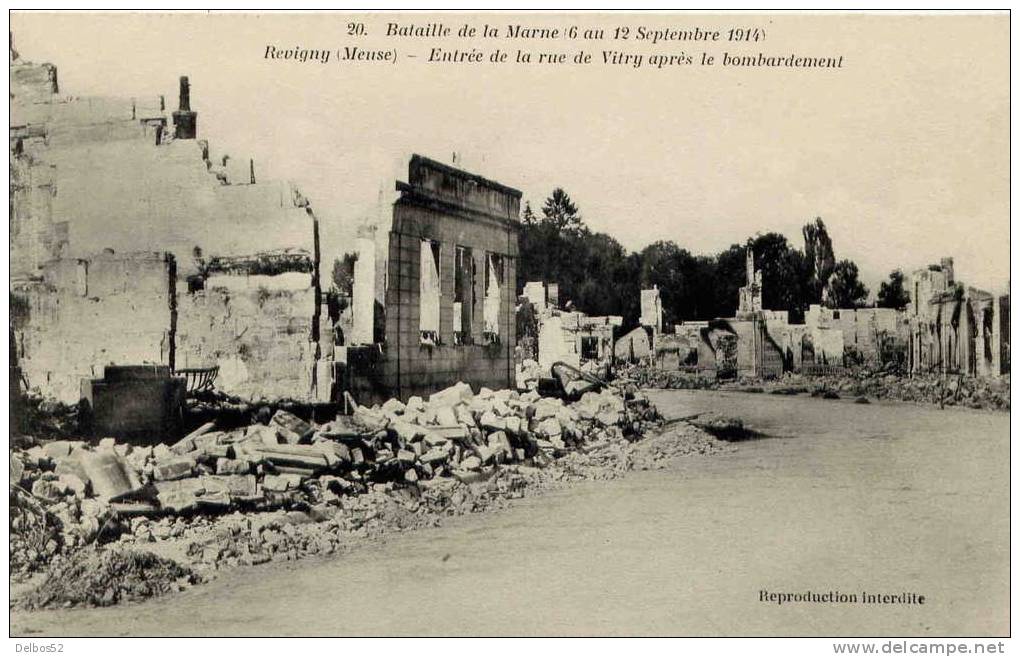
(133, 243)
(762, 343)
(727, 347)
(564, 335)
(947, 328)
(749, 296)
(956, 329)
(445, 306)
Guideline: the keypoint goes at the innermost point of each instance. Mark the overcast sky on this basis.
(904, 152)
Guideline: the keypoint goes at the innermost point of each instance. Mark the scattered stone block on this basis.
(223, 451)
(393, 407)
(225, 466)
(433, 439)
(446, 416)
(110, 475)
(550, 427)
(72, 484)
(452, 432)
(48, 490)
(513, 424)
(175, 469)
(485, 454)
(180, 495)
(406, 431)
(434, 456)
(291, 428)
(17, 470)
(57, 449)
(491, 421)
(451, 396)
(275, 483)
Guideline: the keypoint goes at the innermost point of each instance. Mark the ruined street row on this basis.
(193, 375)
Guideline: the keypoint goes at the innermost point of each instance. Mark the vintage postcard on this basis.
(490, 324)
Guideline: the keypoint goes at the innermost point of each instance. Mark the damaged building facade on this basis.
(564, 335)
(132, 243)
(762, 343)
(954, 328)
(446, 289)
(726, 347)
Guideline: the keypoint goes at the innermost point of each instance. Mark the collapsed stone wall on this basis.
(235, 282)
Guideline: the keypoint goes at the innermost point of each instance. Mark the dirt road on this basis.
(880, 498)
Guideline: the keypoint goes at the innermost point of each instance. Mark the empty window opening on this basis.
(429, 293)
(463, 295)
(493, 286)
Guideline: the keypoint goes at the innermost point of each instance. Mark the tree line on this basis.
(599, 277)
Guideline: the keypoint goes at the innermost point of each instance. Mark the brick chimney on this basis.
(185, 121)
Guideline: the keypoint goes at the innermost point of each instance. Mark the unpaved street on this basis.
(883, 498)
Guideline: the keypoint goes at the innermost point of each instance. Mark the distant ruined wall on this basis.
(864, 329)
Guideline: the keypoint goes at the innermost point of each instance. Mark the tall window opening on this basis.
(463, 295)
(493, 287)
(429, 292)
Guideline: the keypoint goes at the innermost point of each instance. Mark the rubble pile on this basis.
(649, 377)
(681, 440)
(210, 543)
(35, 533)
(34, 415)
(103, 578)
(289, 488)
(950, 390)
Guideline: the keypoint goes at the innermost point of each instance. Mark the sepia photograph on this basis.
(447, 323)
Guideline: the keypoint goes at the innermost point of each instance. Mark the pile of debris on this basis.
(103, 578)
(948, 390)
(34, 415)
(650, 377)
(74, 494)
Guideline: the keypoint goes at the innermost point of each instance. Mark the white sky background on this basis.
(904, 153)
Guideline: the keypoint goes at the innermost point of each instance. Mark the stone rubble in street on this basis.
(971, 392)
(290, 488)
